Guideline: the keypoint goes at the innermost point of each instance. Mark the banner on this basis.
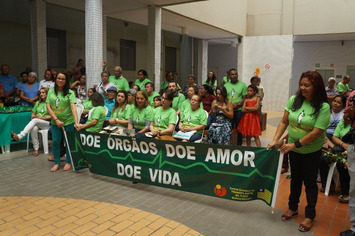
(230, 172)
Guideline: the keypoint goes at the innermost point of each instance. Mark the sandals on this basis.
(304, 228)
(35, 154)
(343, 198)
(14, 136)
(285, 217)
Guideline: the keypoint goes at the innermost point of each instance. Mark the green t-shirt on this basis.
(178, 100)
(192, 119)
(302, 122)
(61, 106)
(120, 83)
(122, 115)
(165, 85)
(342, 87)
(235, 92)
(163, 118)
(187, 105)
(99, 114)
(141, 84)
(225, 80)
(210, 83)
(140, 116)
(151, 98)
(87, 104)
(40, 109)
(342, 129)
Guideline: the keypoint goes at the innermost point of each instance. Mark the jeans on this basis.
(33, 126)
(236, 119)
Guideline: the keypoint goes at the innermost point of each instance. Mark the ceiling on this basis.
(136, 11)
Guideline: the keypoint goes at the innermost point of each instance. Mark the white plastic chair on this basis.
(79, 110)
(200, 140)
(44, 133)
(330, 177)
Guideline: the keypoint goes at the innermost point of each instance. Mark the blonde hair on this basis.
(144, 94)
(40, 99)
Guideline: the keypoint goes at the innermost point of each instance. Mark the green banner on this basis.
(230, 172)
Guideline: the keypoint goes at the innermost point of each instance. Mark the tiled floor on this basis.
(35, 201)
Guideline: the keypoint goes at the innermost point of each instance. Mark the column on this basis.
(104, 38)
(202, 61)
(93, 41)
(185, 56)
(154, 45)
(39, 37)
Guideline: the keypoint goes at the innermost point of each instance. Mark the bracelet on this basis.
(56, 119)
(341, 145)
(298, 144)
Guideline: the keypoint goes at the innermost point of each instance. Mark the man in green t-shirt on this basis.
(149, 88)
(236, 93)
(118, 80)
(179, 98)
(343, 86)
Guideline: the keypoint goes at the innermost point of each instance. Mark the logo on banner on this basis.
(220, 191)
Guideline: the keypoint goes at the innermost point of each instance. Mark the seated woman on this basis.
(164, 119)
(40, 119)
(157, 102)
(121, 112)
(207, 97)
(337, 112)
(193, 118)
(29, 91)
(222, 115)
(141, 115)
(87, 106)
(192, 90)
(96, 116)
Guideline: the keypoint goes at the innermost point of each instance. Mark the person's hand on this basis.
(154, 132)
(78, 126)
(182, 128)
(104, 64)
(112, 121)
(235, 105)
(274, 144)
(59, 123)
(287, 147)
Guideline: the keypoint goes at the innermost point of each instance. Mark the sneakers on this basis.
(343, 198)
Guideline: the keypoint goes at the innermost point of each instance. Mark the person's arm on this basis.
(74, 84)
(181, 127)
(53, 116)
(255, 108)
(244, 110)
(167, 131)
(88, 125)
(33, 115)
(197, 127)
(280, 130)
(330, 143)
(7, 95)
(104, 65)
(337, 141)
(240, 104)
(75, 114)
(212, 112)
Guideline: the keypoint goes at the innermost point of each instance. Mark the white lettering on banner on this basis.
(127, 146)
(235, 158)
(180, 151)
(164, 177)
(129, 171)
(90, 140)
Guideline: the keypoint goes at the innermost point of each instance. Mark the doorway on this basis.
(350, 70)
(326, 74)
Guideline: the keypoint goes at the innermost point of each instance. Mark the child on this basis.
(157, 101)
(96, 115)
(250, 122)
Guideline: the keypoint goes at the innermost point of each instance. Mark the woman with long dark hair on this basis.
(61, 106)
(211, 79)
(308, 115)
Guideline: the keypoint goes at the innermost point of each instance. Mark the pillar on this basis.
(185, 56)
(202, 60)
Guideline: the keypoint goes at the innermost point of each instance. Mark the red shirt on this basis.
(207, 101)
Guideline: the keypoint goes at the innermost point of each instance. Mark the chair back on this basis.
(79, 110)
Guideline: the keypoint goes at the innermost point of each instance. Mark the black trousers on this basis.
(344, 178)
(304, 168)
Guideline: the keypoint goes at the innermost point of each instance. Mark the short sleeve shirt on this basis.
(331, 91)
(87, 104)
(235, 92)
(178, 100)
(210, 83)
(98, 114)
(120, 83)
(192, 119)
(335, 118)
(46, 84)
(165, 85)
(9, 82)
(61, 106)
(140, 116)
(151, 98)
(141, 84)
(109, 104)
(40, 109)
(342, 87)
(122, 115)
(163, 118)
(342, 129)
(302, 122)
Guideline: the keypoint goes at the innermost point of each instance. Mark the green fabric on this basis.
(98, 114)
(120, 83)
(178, 100)
(151, 98)
(87, 104)
(342, 87)
(302, 122)
(235, 92)
(40, 109)
(192, 119)
(225, 79)
(342, 129)
(165, 85)
(122, 115)
(141, 84)
(61, 106)
(140, 116)
(210, 83)
(15, 122)
(162, 118)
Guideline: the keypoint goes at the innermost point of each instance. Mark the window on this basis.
(170, 59)
(128, 54)
(56, 48)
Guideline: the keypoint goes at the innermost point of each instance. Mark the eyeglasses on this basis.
(62, 79)
(41, 92)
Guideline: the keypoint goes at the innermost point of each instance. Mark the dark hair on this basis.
(105, 72)
(125, 101)
(24, 73)
(66, 87)
(199, 97)
(192, 76)
(139, 88)
(75, 92)
(169, 96)
(97, 100)
(93, 90)
(130, 83)
(195, 89)
(52, 77)
(223, 93)
(253, 87)
(343, 99)
(232, 69)
(173, 83)
(208, 88)
(151, 84)
(319, 95)
(158, 98)
(144, 72)
(254, 78)
(79, 60)
(213, 78)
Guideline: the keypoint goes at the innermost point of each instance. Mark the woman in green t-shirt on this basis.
(96, 115)
(61, 106)
(121, 111)
(211, 80)
(141, 115)
(87, 107)
(39, 120)
(307, 115)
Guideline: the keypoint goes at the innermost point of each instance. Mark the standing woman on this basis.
(62, 109)
(104, 85)
(307, 114)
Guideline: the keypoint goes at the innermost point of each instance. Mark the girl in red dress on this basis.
(250, 122)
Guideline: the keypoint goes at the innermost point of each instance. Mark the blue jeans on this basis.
(195, 137)
(236, 119)
(57, 135)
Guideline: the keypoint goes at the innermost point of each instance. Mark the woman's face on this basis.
(157, 103)
(31, 79)
(120, 98)
(194, 101)
(190, 92)
(83, 79)
(210, 75)
(191, 81)
(104, 78)
(131, 98)
(90, 92)
(24, 78)
(251, 92)
(60, 80)
(306, 88)
(141, 76)
(169, 77)
(164, 100)
(337, 105)
(48, 75)
(42, 94)
(140, 100)
(219, 95)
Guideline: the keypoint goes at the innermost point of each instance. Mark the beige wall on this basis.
(229, 15)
